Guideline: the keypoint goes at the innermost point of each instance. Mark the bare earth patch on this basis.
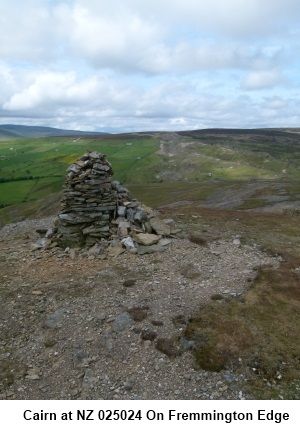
(72, 328)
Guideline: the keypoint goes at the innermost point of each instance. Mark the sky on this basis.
(133, 65)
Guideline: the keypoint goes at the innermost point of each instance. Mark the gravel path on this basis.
(78, 326)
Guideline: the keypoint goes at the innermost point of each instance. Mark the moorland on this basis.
(220, 186)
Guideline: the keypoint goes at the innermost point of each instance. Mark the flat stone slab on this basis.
(146, 239)
(160, 227)
(150, 249)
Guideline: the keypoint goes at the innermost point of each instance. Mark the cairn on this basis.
(98, 210)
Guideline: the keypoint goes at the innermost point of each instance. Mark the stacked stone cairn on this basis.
(99, 212)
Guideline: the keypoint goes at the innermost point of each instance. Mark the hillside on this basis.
(242, 169)
(19, 131)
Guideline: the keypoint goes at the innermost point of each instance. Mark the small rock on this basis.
(72, 254)
(79, 355)
(129, 384)
(53, 319)
(187, 344)
(32, 377)
(121, 322)
(128, 243)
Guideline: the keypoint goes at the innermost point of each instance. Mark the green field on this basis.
(32, 168)
(159, 168)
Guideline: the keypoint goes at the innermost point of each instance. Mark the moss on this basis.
(138, 313)
(167, 347)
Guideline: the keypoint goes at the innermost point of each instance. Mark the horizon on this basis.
(2, 126)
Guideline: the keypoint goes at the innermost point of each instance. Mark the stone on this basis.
(146, 239)
(122, 232)
(160, 227)
(67, 218)
(114, 251)
(32, 377)
(33, 374)
(95, 155)
(49, 233)
(128, 243)
(79, 355)
(164, 242)
(150, 249)
(94, 230)
(96, 250)
(122, 211)
(41, 243)
(53, 319)
(187, 344)
(148, 228)
(74, 169)
(72, 254)
(129, 384)
(122, 322)
(140, 216)
(124, 224)
(170, 222)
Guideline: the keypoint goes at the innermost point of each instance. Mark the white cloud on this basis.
(262, 79)
(48, 90)
(27, 31)
(231, 17)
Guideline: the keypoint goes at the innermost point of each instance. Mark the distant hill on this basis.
(13, 131)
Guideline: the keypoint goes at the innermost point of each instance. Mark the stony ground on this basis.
(87, 327)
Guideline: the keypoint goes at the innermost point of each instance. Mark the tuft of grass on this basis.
(262, 330)
(167, 347)
(217, 297)
(9, 371)
(138, 313)
(198, 240)
(148, 334)
(129, 282)
(157, 323)
(49, 343)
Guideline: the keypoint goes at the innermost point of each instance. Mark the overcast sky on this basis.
(133, 65)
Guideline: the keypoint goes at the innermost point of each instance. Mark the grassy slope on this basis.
(192, 166)
(44, 161)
